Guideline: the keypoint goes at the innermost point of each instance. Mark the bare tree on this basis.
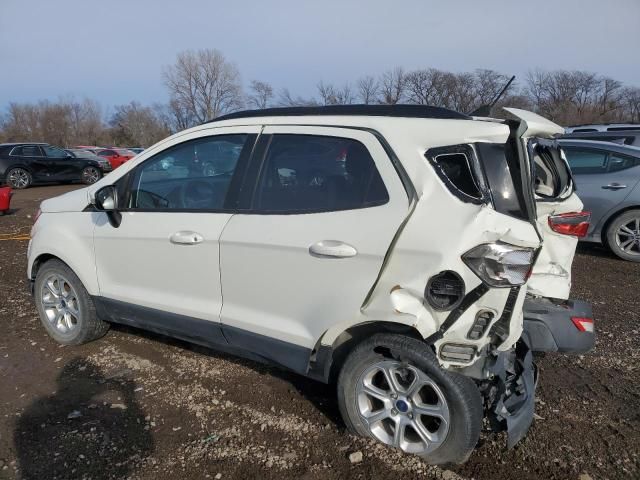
(393, 86)
(286, 99)
(204, 83)
(630, 103)
(261, 94)
(331, 95)
(134, 124)
(368, 89)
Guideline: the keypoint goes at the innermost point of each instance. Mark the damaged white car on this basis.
(389, 249)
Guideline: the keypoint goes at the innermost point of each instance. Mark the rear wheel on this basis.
(623, 236)
(18, 178)
(391, 388)
(66, 309)
(91, 175)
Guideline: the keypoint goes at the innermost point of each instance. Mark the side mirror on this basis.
(106, 200)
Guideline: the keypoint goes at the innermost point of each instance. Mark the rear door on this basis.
(310, 244)
(555, 195)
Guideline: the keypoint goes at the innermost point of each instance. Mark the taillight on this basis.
(574, 223)
(500, 264)
(583, 324)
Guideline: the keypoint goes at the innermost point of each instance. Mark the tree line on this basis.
(204, 84)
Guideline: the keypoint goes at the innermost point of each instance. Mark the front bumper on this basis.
(558, 326)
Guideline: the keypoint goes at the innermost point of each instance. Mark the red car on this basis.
(5, 199)
(116, 156)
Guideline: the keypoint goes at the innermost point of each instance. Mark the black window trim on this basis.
(258, 161)
(474, 165)
(11, 154)
(232, 192)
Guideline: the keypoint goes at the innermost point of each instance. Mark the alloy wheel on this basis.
(628, 236)
(60, 303)
(403, 407)
(18, 178)
(90, 175)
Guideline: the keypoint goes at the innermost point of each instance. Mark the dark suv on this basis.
(22, 164)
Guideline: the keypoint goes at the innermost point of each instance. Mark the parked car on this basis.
(22, 164)
(624, 136)
(81, 153)
(602, 127)
(90, 148)
(386, 248)
(116, 156)
(607, 176)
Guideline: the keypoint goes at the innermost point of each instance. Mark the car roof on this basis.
(406, 111)
(15, 144)
(616, 147)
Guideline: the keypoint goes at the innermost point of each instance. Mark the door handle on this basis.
(614, 186)
(332, 249)
(186, 238)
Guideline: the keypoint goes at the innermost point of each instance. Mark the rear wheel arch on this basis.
(327, 360)
(605, 227)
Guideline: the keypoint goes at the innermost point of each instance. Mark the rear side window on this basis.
(586, 161)
(457, 169)
(310, 173)
(106, 153)
(27, 151)
(622, 162)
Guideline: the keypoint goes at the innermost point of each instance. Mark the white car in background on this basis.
(387, 248)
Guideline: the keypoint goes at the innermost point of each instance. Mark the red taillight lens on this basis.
(583, 324)
(574, 223)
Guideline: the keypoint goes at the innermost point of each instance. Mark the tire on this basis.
(18, 178)
(70, 319)
(454, 396)
(623, 235)
(91, 175)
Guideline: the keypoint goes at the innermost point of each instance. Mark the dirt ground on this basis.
(137, 405)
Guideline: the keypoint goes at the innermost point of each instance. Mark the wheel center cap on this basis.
(402, 406)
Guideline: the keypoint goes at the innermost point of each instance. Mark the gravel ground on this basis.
(137, 405)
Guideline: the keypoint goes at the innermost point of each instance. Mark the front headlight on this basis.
(500, 264)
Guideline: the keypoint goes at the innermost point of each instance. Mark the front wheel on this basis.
(391, 388)
(91, 175)
(623, 236)
(66, 309)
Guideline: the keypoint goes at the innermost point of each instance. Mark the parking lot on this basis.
(138, 405)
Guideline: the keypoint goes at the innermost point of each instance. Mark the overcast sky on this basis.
(113, 51)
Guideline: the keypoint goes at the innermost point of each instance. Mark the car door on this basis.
(326, 205)
(604, 178)
(61, 165)
(160, 267)
(32, 157)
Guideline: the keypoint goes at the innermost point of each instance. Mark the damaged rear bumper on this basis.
(510, 396)
(558, 326)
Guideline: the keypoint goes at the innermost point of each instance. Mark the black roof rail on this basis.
(409, 111)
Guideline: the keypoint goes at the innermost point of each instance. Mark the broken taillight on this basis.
(583, 324)
(574, 223)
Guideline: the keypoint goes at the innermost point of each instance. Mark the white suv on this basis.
(385, 247)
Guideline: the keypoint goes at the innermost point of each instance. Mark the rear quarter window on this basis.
(552, 176)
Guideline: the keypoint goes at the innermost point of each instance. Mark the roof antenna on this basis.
(485, 110)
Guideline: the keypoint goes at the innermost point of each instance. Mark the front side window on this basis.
(106, 153)
(54, 152)
(584, 161)
(194, 175)
(309, 173)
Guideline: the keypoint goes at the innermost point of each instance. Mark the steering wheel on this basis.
(196, 194)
